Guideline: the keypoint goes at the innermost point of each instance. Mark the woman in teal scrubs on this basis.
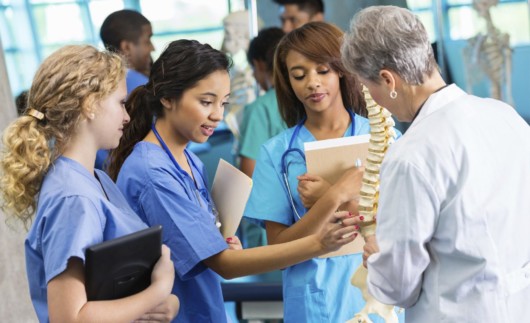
(166, 184)
(319, 100)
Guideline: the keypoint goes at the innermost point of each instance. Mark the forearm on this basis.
(125, 309)
(351, 206)
(236, 263)
(67, 301)
(246, 165)
(311, 221)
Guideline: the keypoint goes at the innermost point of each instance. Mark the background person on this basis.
(296, 13)
(261, 118)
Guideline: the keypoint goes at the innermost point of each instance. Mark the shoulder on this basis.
(362, 125)
(141, 166)
(135, 79)
(280, 141)
(67, 178)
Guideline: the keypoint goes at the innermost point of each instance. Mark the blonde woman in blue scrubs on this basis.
(75, 107)
(166, 184)
(318, 99)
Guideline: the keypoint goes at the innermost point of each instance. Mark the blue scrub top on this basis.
(72, 214)
(161, 195)
(317, 290)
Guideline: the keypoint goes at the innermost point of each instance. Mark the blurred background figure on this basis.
(243, 86)
(21, 101)
(261, 119)
(296, 13)
(128, 33)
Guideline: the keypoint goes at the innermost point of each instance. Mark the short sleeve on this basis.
(269, 198)
(188, 230)
(71, 225)
(255, 132)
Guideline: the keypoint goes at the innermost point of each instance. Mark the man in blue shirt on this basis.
(128, 33)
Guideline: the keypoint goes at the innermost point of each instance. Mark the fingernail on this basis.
(357, 227)
(350, 214)
(228, 240)
(361, 218)
(355, 235)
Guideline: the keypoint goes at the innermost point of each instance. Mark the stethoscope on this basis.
(184, 173)
(290, 149)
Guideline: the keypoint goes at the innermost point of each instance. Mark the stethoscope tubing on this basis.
(290, 149)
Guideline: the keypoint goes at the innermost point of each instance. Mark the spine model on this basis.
(382, 134)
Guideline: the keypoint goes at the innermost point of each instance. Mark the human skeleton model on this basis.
(491, 53)
(382, 134)
(242, 85)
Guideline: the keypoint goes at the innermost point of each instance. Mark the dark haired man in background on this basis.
(296, 13)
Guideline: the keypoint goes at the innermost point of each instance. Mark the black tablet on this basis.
(122, 267)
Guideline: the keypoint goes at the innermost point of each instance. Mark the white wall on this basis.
(15, 304)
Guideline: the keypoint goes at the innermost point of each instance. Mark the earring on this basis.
(91, 116)
(393, 94)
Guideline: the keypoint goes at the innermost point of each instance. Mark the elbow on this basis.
(221, 263)
(225, 273)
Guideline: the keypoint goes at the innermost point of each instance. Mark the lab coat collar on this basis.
(437, 101)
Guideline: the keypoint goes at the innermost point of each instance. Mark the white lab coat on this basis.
(454, 214)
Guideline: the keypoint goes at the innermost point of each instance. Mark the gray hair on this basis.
(388, 37)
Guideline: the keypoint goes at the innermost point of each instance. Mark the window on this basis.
(509, 16)
(461, 21)
(32, 29)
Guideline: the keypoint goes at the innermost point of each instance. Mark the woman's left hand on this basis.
(164, 312)
(370, 247)
(234, 243)
(311, 188)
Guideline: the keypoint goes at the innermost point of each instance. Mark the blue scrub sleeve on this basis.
(189, 231)
(269, 200)
(72, 224)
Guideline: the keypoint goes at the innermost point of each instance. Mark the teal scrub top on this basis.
(261, 121)
(317, 290)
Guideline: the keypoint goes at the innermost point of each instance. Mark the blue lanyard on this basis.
(179, 169)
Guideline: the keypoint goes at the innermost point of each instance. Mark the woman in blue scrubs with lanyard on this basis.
(75, 107)
(319, 99)
(166, 184)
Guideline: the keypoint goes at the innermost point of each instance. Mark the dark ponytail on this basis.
(180, 67)
(140, 106)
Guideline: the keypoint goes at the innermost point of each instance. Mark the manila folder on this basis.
(230, 192)
(329, 159)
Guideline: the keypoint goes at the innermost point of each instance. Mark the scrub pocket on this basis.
(305, 304)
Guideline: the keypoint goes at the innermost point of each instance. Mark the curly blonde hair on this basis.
(67, 87)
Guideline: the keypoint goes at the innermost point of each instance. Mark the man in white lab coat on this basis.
(452, 242)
